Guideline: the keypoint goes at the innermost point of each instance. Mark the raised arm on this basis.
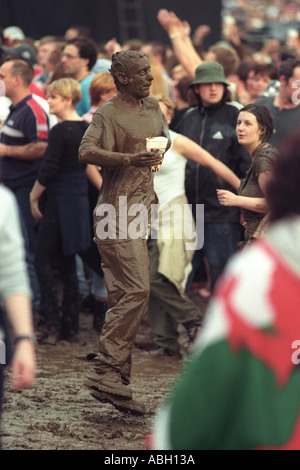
(193, 151)
(179, 34)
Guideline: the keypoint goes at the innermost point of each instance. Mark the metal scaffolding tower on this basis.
(131, 19)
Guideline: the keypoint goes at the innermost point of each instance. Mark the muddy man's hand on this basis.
(146, 159)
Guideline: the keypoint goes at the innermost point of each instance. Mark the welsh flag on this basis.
(240, 389)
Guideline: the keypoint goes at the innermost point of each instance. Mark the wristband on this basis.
(25, 337)
(174, 35)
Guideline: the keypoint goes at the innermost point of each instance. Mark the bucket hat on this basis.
(210, 72)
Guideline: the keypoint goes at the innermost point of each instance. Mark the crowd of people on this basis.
(75, 116)
(255, 15)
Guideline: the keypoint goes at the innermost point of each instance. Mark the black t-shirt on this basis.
(61, 155)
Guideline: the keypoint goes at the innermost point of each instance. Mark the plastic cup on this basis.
(158, 144)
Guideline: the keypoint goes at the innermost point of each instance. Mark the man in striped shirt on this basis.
(24, 137)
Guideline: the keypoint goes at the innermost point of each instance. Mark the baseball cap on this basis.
(24, 52)
(209, 72)
(14, 32)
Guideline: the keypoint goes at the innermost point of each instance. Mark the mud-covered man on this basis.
(116, 141)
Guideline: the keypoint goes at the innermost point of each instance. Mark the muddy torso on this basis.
(119, 128)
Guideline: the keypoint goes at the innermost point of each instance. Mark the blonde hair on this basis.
(101, 83)
(178, 69)
(167, 102)
(67, 88)
(226, 56)
(158, 85)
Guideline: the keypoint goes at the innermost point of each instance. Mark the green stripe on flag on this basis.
(229, 400)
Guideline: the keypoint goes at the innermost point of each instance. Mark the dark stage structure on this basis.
(122, 19)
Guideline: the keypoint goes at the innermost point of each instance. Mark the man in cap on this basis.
(211, 123)
(13, 35)
(27, 53)
(23, 51)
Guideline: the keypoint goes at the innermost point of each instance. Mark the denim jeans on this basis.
(34, 283)
(89, 282)
(220, 243)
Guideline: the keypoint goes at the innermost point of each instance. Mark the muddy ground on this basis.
(58, 413)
